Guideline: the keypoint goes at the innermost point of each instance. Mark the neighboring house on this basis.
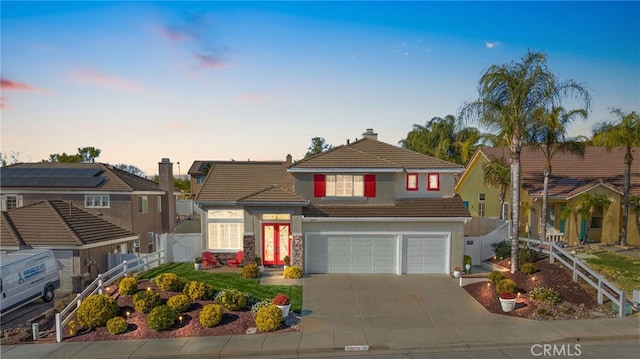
(364, 207)
(80, 240)
(600, 171)
(198, 172)
(188, 224)
(123, 199)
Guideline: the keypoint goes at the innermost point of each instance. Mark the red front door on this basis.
(275, 243)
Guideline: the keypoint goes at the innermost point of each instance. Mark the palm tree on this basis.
(509, 96)
(443, 139)
(497, 174)
(550, 137)
(626, 133)
(587, 205)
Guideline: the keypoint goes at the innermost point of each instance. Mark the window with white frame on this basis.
(345, 185)
(481, 209)
(143, 204)
(97, 201)
(158, 203)
(225, 229)
(200, 179)
(11, 201)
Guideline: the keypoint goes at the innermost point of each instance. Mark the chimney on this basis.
(370, 134)
(289, 159)
(165, 180)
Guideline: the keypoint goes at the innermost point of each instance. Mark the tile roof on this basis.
(68, 176)
(423, 207)
(58, 222)
(232, 181)
(9, 235)
(275, 193)
(570, 173)
(370, 153)
(197, 167)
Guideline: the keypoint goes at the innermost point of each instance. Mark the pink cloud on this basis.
(19, 86)
(100, 79)
(211, 61)
(174, 34)
(253, 98)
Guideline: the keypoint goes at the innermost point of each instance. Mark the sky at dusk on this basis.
(257, 80)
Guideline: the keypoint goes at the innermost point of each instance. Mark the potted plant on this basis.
(507, 301)
(258, 261)
(457, 271)
(287, 261)
(282, 302)
(198, 263)
(467, 263)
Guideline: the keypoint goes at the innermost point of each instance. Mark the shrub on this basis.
(528, 268)
(527, 255)
(495, 277)
(281, 299)
(128, 285)
(293, 272)
(198, 290)
(180, 303)
(268, 318)
(117, 325)
(145, 300)
(502, 249)
(96, 310)
(161, 318)
(250, 271)
(258, 305)
(232, 299)
(168, 282)
(506, 285)
(545, 294)
(210, 315)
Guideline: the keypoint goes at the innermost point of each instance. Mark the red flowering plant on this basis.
(507, 295)
(281, 299)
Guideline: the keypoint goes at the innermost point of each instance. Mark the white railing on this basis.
(555, 237)
(105, 279)
(581, 270)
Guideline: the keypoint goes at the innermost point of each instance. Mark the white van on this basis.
(27, 275)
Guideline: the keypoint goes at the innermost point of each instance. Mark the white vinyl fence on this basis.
(181, 248)
(142, 263)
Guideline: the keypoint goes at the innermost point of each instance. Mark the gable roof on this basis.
(9, 235)
(198, 167)
(250, 181)
(450, 207)
(72, 177)
(57, 222)
(572, 174)
(368, 153)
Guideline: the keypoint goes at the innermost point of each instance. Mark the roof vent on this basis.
(370, 134)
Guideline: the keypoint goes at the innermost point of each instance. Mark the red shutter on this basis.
(319, 186)
(369, 185)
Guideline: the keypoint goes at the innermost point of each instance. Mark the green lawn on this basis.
(230, 280)
(621, 270)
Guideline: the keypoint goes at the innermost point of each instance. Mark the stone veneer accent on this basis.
(249, 249)
(297, 251)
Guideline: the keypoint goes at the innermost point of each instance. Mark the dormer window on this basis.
(433, 181)
(412, 181)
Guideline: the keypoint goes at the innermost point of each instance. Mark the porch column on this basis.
(297, 255)
(249, 247)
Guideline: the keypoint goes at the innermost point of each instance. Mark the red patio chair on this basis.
(208, 259)
(237, 261)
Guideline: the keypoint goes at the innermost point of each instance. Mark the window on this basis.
(200, 179)
(481, 209)
(505, 211)
(481, 197)
(466, 204)
(10, 202)
(97, 201)
(143, 204)
(344, 185)
(158, 203)
(412, 181)
(225, 236)
(596, 219)
(433, 181)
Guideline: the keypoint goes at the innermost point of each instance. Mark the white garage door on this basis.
(65, 268)
(351, 253)
(427, 254)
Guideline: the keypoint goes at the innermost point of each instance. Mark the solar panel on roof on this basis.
(51, 177)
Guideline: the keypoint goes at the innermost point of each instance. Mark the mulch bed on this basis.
(578, 301)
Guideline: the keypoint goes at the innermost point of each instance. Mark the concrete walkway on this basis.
(388, 314)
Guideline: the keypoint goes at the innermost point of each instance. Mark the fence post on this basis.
(575, 268)
(78, 300)
(623, 304)
(100, 283)
(58, 328)
(124, 268)
(600, 296)
(551, 254)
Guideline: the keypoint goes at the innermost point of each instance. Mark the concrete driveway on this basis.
(392, 308)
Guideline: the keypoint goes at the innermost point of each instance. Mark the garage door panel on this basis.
(352, 254)
(427, 254)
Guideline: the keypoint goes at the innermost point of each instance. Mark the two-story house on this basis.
(363, 207)
(599, 172)
(136, 204)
